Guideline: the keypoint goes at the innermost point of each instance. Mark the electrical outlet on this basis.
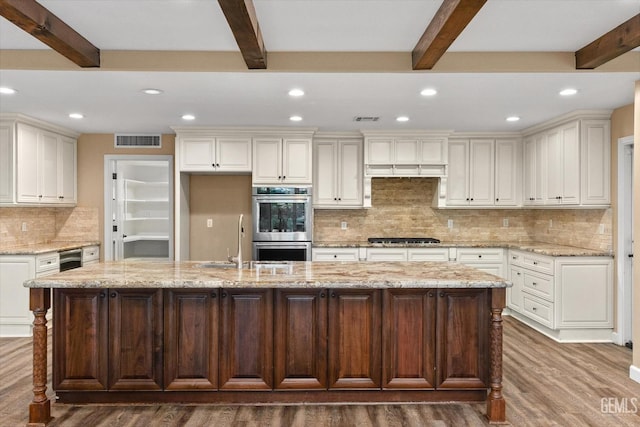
(24, 226)
(209, 222)
(449, 223)
(343, 225)
(550, 223)
(505, 222)
(601, 229)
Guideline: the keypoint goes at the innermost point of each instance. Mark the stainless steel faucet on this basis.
(238, 258)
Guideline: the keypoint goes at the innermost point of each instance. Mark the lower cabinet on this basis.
(264, 339)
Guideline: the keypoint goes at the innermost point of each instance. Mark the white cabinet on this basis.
(15, 318)
(471, 172)
(535, 168)
(335, 254)
(337, 180)
(405, 154)
(38, 164)
(595, 162)
(428, 254)
(386, 254)
(563, 165)
(90, 255)
(215, 154)
(489, 260)
(508, 172)
(566, 298)
(282, 161)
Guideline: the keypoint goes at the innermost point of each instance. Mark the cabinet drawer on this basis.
(539, 310)
(539, 285)
(428, 254)
(47, 262)
(477, 256)
(386, 254)
(90, 253)
(336, 255)
(538, 263)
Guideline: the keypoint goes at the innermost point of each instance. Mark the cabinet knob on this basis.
(284, 177)
(322, 295)
(333, 294)
(335, 255)
(497, 200)
(213, 165)
(217, 165)
(479, 256)
(518, 273)
(213, 295)
(535, 262)
(534, 283)
(441, 294)
(224, 295)
(335, 198)
(102, 295)
(534, 308)
(113, 295)
(40, 196)
(472, 199)
(430, 294)
(61, 197)
(339, 198)
(467, 199)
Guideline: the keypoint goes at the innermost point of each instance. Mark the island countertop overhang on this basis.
(295, 274)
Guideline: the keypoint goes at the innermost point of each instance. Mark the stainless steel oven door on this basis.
(282, 218)
(282, 251)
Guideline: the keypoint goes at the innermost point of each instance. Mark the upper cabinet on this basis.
(405, 154)
(337, 173)
(38, 162)
(568, 164)
(278, 161)
(214, 154)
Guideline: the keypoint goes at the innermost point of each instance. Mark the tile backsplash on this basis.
(44, 224)
(402, 207)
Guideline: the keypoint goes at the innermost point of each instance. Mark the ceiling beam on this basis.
(447, 24)
(241, 16)
(38, 21)
(621, 39)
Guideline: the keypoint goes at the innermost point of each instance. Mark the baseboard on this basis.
(586, 335)
(634, 373)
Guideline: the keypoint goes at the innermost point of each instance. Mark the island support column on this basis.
(495, 403)
(40, 406)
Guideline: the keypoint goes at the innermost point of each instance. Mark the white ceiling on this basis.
(112, 102)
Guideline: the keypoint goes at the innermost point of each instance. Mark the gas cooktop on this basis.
(403, 240)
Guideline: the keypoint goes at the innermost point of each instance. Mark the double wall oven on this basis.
(282, 223)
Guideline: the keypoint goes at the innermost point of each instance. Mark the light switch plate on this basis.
(343, 225)
(209, 222)
(505, 222)
(449, 223)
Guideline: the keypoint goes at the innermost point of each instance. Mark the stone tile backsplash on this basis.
(402, 207)
(44, 224)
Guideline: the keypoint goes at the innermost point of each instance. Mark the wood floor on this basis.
(545, 384)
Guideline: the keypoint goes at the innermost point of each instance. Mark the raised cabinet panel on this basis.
(595, 162)
(300, 344)
(15, 318)
(246, 339)
(325, 186)
(508, 170)
(197, 154)
(267, 160)
(409, 339)
(27, 184)
(350, 173)
(135, 334)
(296, 161)
(458, 182)
(462, 341)
(48, 167)
(541, 168)
(380, 151)
(6, 163)
(514, 294)
(529, 167)
(191, 339)
(80, 347)
(554, 166)
(571, 164)
(481, 172)
(233, 155)
(433, 151)
(354, 339)
(406, 151)
(67, 173)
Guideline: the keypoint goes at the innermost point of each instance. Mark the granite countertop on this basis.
(291, 274)
(41, 248)
(541, 248)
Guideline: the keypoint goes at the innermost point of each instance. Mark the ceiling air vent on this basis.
(139, 140)
(366, 118)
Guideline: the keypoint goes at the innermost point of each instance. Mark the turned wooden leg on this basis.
(495, 403)
(40, 406)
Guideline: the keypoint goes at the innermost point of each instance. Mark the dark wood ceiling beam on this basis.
(241, 16)
(447, 24)
(38, 21)
(621, 39)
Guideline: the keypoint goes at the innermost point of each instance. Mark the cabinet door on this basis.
(354, 339)
(300, 345)
(458, 182)
(529, 171)
(380, 151)
(67, 171)
(15, 318)
(406, 151)
(267, 161)
(541, 169)
(135, 334)
(554, 167)
(233, 155)
(191, 339)
(462, 339)
(296, 161)
(6, 163)
(246, 339)
(514, 294)
(595, 162)
(481, 172)
(570, 164)
(432, 151)
(325, 173)
(507, 173)
(350, 173)
(27, 167)
(197, 154)
(409, 338)
(48, 166)
(386, 254)
(80, 346)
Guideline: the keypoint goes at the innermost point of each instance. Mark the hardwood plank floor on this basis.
(545, 384)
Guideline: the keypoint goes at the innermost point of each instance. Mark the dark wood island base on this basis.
(272, 346)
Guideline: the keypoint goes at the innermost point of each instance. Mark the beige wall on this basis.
(221, 198)
(91, 151)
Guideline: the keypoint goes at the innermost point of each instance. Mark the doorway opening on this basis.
(624, 250)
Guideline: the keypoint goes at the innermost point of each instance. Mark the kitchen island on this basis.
(295, 332)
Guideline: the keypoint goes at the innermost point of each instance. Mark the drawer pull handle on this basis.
(534, 283)
(534, 308)
(479, 256)
(535, 262)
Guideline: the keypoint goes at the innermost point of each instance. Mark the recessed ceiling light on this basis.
(7, 91)
(295, 118)
(428, 92)
(152, 91)
(188, 117)
(402, 119)
(76, 116)
(296, 92)
(568, 92)
(513, 118)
